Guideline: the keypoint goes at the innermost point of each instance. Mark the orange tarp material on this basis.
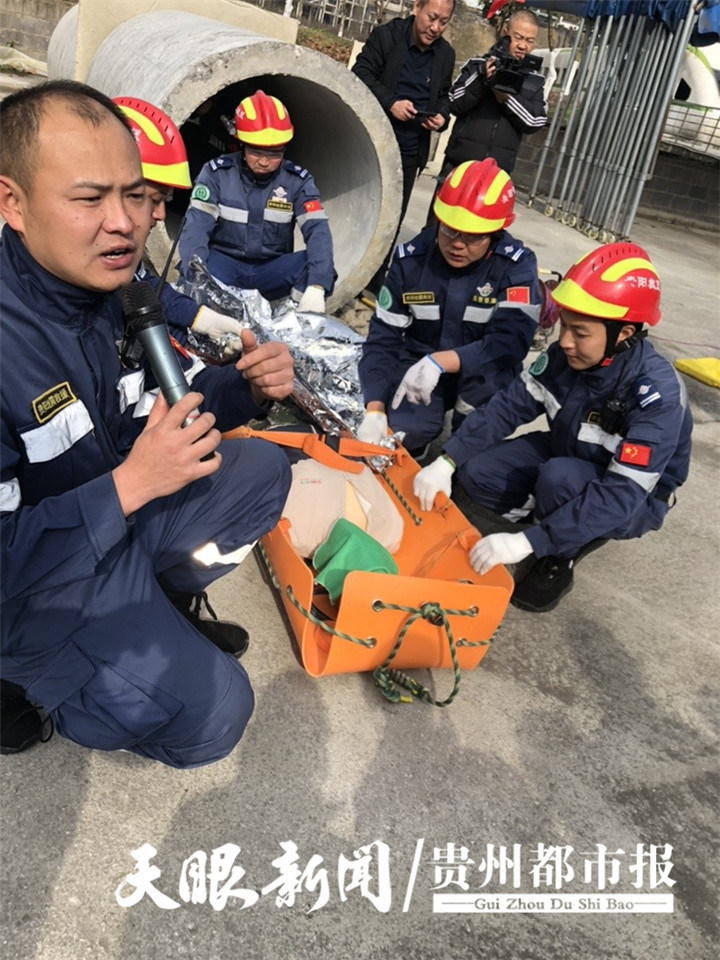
(318, 446)
(433, 568)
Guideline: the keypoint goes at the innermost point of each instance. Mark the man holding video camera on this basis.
(497, 98)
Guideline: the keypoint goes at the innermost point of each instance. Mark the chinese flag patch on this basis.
(636, 453)
(518, 294)
(312, 205)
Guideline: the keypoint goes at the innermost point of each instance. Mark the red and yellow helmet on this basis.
(263, 121)
(613, 282)
(162, 151)
(476, 197)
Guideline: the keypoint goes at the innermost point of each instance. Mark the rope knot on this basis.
(432, 612)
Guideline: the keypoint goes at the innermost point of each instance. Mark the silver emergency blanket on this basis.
(325, 351)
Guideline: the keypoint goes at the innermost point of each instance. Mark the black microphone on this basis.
(145, 321)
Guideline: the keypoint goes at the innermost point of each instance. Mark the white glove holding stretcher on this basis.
(505, 548)
(433, 479)
(217, 326)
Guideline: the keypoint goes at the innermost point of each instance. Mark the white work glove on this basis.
(418, 383)
(312, 300)
(433, 479)
(499, 548)
(218, 326)
(374, 427)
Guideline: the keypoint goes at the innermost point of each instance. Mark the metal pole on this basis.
(643, 109)
(683, 34)
(579, 83)
(607, 102)
(587, 100)
(619, 120)
(557, 113)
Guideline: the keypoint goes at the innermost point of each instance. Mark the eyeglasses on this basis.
(467, 238)
(258, 154)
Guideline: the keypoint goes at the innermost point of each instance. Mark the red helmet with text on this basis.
(613, 282)
(263, 121)
(476, 197)
(162, 151)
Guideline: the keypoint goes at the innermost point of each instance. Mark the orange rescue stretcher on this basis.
(436, 612)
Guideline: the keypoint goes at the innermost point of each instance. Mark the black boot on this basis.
(545, 585)
(228, 637)
(20, 723)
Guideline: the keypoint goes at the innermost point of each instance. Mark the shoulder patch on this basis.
(409, 249)
(200, 192)
(518, 294)
(217, 163)
(645, 392)
(300, 171)
(540, 365)
(637, 454)
(513, 251)
(384, 298)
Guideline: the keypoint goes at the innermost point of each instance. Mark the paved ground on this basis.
(593, 725)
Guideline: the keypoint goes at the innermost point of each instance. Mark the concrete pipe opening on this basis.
(179, 60)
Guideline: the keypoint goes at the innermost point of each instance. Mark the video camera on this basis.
(509, 72)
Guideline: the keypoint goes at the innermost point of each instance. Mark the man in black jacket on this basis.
(408, 66)
(491, 122)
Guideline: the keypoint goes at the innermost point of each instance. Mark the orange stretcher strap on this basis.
(316, 446)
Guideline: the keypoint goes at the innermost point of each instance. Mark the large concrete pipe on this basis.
(178, 60)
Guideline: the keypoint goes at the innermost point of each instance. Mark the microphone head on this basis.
(141, 306)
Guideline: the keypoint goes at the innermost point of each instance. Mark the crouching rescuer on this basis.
(618, 443)
(117, 509)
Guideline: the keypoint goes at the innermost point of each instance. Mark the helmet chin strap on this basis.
(613, 347)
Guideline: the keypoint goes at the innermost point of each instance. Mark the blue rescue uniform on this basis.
(242, 228)
(86, 627)
(587, 477)
(487, 312)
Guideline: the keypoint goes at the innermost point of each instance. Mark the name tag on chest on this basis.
(419, 297)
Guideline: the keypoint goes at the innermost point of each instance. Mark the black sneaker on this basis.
(228, 637)
(545, 585)
(20, 723)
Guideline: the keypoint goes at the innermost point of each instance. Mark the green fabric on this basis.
(345, 549)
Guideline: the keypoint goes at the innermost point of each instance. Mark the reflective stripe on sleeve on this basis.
(593, 433)
(209, 208)
(392, 319)
(315, 215)
(531, 310)
(53, 438)
(539, 393)
(10, 496)
(647, 481)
